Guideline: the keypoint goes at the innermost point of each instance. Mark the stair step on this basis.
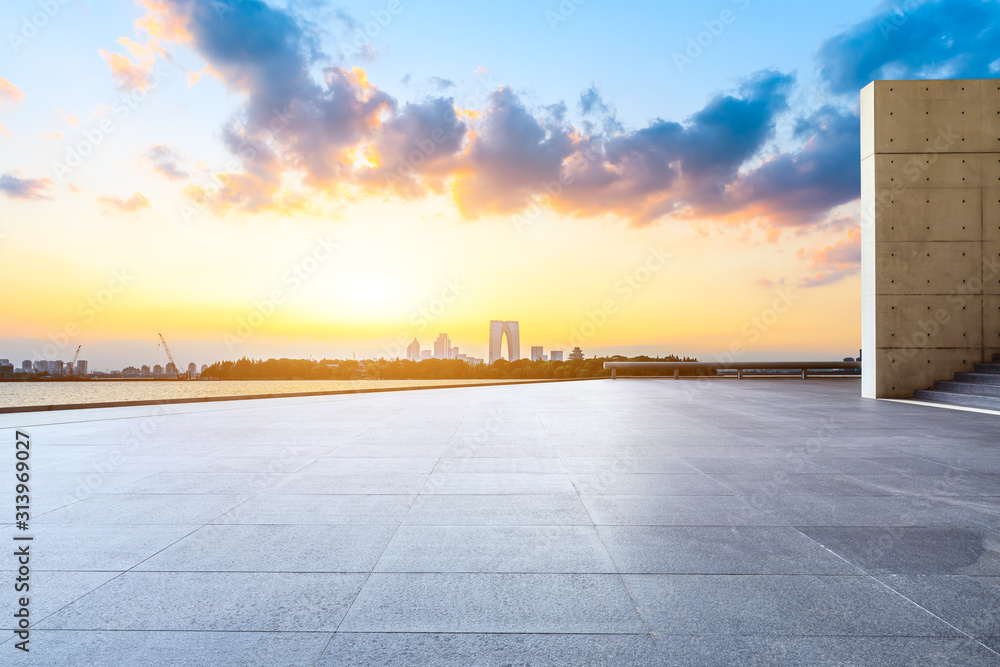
(978, 378)
(969, 388)
(963, 400)
(987, 368)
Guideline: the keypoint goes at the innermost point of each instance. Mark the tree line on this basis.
(426, 369)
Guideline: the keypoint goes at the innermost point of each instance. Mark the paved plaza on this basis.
(628, 522)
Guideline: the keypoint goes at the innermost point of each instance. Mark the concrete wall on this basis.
(930, 198)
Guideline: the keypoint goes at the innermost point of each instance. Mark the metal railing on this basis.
(712, 368)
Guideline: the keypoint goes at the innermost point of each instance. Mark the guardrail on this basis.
(739, 366)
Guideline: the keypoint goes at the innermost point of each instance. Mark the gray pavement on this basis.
(634, 522)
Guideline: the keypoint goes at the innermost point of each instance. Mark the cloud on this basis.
(16, 187)
(513, 156)
(799, 187)
(441, 84)
(165, 160)
(9, 94)
(131, 205)
(833, 262)
(135, 71)
(416, 150)
(677, 169)
(305, 127)
(592, 105)
(954, 39)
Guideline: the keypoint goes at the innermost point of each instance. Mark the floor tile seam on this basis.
(413, 500)
(942, 638)
(611, 559)
(881, 583)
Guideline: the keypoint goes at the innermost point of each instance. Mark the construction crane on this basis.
(170, 357)
(72, 364)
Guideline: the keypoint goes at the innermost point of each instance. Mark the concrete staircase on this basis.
(979, 389)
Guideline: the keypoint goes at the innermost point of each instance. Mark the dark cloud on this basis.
(669, 167)
(334, 128)
(441, 84)
(166, 161)
(940, 39)
(416, 149)
(16, 187)
(593, 106)
(514, 155)
(801, 186)
(289, 119)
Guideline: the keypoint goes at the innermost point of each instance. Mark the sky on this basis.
(306, 178)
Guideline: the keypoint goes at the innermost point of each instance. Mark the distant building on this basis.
(81, 367)
(555, 355)
(204, 367)
(442, 347)
(130, 372)
(42, 366)
(55, 367)
(192, 369)
(171, 369)
(537, 353)
(413, 350)
(461, 357)
(157, 370)
(144, 370)
(510, 329)
(6, 366)
(426, 354)
(26, 366)
(577, 353)
(5, 362)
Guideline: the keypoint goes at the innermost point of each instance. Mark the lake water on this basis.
(19, 394)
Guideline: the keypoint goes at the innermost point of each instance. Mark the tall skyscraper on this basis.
(26, 366)
(453, 353)
(192, 369)
(413, 351)
(157, 370)
(442, 347)
(499, 329)
(81, 367)
(537, 353)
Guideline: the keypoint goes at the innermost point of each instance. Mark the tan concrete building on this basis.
(930, 198)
